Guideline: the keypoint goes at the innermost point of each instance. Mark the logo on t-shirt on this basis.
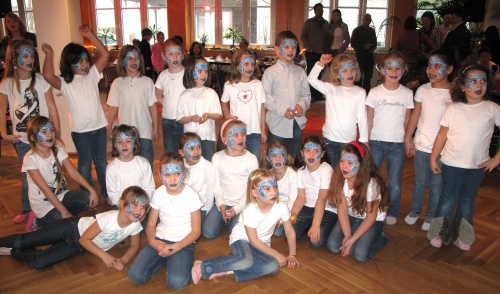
(245, 96)
(29, 109)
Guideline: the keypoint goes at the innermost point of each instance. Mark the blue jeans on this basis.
(254, 145)
(62, 235)
(304, 222)
(247, 263)
(335, 150)
(366, 246)
(213, 223)
(21, 149)
(207, 149)
(75, 202)
(394, 154)
(147, 150)
(91, 146)
(292, 144)
(425, 178)
(149, 262)
(171, 130)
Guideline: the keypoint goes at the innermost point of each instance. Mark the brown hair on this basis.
(129, 131)
(265, 162)
(188, 79)
(11, 64)
(457, 95)
(234, 70)
(120, 66)
(14, 17)
(172, 157)
(185, 137)
(256, 177)
(337, 62)
(134, 194)
(285, 35)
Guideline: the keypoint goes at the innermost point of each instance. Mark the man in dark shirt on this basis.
(364, 42)
(145, 49)
(459, 36)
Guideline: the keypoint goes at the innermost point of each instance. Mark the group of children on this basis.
(329, 188)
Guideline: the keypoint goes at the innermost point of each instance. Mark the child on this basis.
(431, 101)
(287, 95)
(201, 172)
(24, 91)
(250, 241)
(345, 103)
(311, 213)
(75, 235)
(389, 106)
(48, 192)
(175, 207)
(199, 106)
(168, 89)
(78, 84)
(232, 167)
(133, 99)
(128, 168)
(278, 160)
(243, 99)
(360, 194)
(464, 139)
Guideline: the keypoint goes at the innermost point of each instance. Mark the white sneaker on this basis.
(391, 220)
(5, 251)
(409, 220)
(425, 226)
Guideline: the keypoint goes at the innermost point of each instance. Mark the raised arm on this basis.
(48, 67)
(101, 62)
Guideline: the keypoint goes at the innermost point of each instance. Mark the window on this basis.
(212, 18)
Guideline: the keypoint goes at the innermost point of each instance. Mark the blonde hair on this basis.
(134, 194)
(225, 128)
(254, 178)
(337, 62)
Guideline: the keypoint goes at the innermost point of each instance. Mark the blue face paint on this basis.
(124, 136)
(242, 65)
(313, 146)
(470, 81)
(353, 159)
(21, 56)
(174, 50)
(77, 65)
(172, 169)
(132, 55)
(230, 140)
(287, 42)
(129, 209)
(393, 63)
(346, 66)
(267, 183)
(280, 154)
(188, 145)
(40, 136)
(197, 68)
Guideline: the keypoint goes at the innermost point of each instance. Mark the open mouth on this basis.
(173, 185)
(50, 140)
(137, 216)
(29, 65)
(240, 144)
(175, 62)
(350, 78)
(195, 158)
(124, 149)
(311, 160)
(203, 79)
(431, 77)
(393, 77)
(273, 199)
(278, 164)
(345, 172)
(478, 92)
(134, 66)
(85, 70)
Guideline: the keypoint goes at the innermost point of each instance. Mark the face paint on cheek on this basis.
(345, 66)
(41, 137)
(242, 65)
(353, 159)
(129, 209)
(124, 136)
(277, 152)
(264, 185)
(285, 43)
(393, 63)
(25, 51)
(230, 140)
(131, 54)
(197, 68)
(174, 50)
(469, 81)
(313, 146)
(434, 60)
(189, 144)
(172, 169)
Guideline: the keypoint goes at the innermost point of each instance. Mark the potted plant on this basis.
(155, 30)
(106, 35)
(234, 34)
(203, 40)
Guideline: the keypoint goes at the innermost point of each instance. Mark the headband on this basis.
(358, 146)
(223, 126)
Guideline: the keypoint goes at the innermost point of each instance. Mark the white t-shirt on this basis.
(121, 175)
(389, 112)
(172, 86)
(201, 177)
(245, 102)
(434, 102)
(133, 97)
(263, 223)
(84, 104)
(175, 212)
(371, 195)
(26, 105)
(469, 133)
(344, 110)
(287, 187)
(111, 232)
(231, 176)
(315, 181)
(47, 167)
(199, 101)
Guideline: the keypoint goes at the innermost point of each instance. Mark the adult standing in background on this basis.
(15, 29)
(459, 36)
(338, 34)
(145, 49)
(445, 27)
(364, 42)
(314, 37)
(430, 30)
(492, 40)
(156, 59)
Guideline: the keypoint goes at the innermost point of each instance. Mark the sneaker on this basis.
(411, 220)
(425, 226)
(31, 225)
(462, 245)
(5, 251)
(436, 242)
(391, 220)
(196, 272)
(214, 276)
(21, 217)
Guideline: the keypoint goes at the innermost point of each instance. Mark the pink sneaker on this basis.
(31, 220)
(196, 272)
(21, 217)
(436, 242)
(462, 245)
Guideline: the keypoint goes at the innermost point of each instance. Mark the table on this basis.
(218, 63)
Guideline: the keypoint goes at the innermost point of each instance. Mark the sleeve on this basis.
(61, 154)
(347, 38)
(261, 93)
(149, 182)
(418, 94)
(4, 88)
(362, 117)
(44, 85)
(95, 75)
(271, 104)
(248, 217)
(209, 186)
(219, 197)
(373, 39)
(496, 113)
(154, 201)
(284, 213)
(292, 189)
(370, 99)
(159, 80)
(113, 96)
(151, 95)
(313, 80)
(409, 100)
(305, 92)
(355, 42)
(304, 34)
(215, 103)
(182, 106)
(225, 94)
(372, 192)
(325, 176)
(111, 182)
(446, 118)
(29, 163)
(195, 200)
(299, 179)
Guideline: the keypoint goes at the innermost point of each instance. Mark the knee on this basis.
(208, 233)
(136, 277)
(37, 264)
(273, 267)
(360, 254)
(178, 281)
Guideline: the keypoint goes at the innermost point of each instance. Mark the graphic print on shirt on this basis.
(29, 109)
(245, 96)
(111, 237)
(54, 187)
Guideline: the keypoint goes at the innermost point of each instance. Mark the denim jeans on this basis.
(292, 144)
(207, 149)
(62, 235)
(366, 246)
(425, 178)
(335, 150)
(254, 145)
(21, 149)
(304, 222)
(171, 131)
(75, 202)
(394, 154)
(213, 223)
(247, 263)
(178, 266)
(91, 146)
(147, 150)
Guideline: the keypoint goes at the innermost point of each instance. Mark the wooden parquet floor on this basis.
(408, 264)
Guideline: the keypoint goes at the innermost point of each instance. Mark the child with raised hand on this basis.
(128, 168)
(200, 172)
(288, 96)
(464, 138)
(431, 100)
(199, 105)
(168, 89)
(173, 227)
(388, 112)
(79, 85)
(132, 98)
(311, 212)
(250, 242)
(345, 109)
(26, 93)
(360, 195)
(75, 235)
(279, 161)
(232, 167)
(48, 192)
(244, 98)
